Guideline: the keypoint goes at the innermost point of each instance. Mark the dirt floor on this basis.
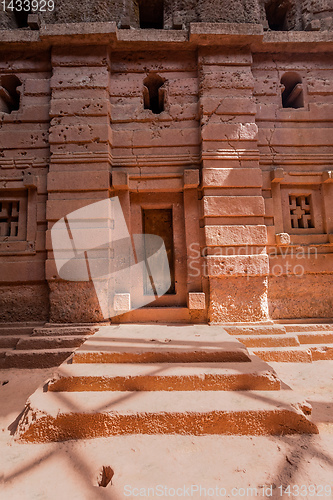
(299, 466)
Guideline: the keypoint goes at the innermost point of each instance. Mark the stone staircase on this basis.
(134, 379)
(37, 345)
(302, 342)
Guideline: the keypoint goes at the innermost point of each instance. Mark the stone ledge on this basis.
(50, 31)
(224, 29)
(19, 36)
(200, 34)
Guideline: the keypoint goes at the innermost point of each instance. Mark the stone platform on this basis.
(152, 379)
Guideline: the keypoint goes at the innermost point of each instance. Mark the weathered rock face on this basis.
(279, 15)
(222, 11)
(317, 14)
(80, 11)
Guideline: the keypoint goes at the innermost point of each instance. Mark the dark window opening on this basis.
(301, 212)
(159, 222)
(151, 13)
(21, 18)
(292, 95)
(154, 94)
(9, 95)
(276, 13)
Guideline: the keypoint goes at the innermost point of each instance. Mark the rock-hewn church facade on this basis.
(212, 124)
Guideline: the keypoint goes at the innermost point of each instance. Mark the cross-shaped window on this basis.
(300, 211)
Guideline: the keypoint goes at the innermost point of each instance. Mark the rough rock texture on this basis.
(70, 304)
(24, 303)
(280, 15)
(234, 299)
(308, 297)
(7, 20)
(80, 11)
(224, 11)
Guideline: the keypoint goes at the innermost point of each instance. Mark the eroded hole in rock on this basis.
(9, 95)
(292, 95)
(154, 94)
(105, 476)
(151, 13)
(276, 14)
(5, 382)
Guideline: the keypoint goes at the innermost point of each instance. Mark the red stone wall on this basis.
(24, 159)
(295, 155)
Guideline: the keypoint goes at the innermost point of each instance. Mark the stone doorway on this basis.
(162, 214)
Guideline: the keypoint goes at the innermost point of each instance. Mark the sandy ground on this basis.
(172, 466)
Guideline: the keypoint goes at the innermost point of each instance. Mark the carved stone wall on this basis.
(24, 159)
(228, 128)
(296, 157)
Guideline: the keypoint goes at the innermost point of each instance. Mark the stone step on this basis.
(80, 415)
(315, 337)
(255, 330)
(60, 342)
(269, 340)
(175, 315)
(61, 330)
(16, 329)
(256, 375)
(160, 344)
(33, 358)
(315, 327)
(8, 341)
(290, 354)
(320, 352)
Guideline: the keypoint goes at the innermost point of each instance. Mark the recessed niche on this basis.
(154, 94)
(9, 95)
(292, 94)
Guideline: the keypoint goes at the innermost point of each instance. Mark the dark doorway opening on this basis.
(276, 13)
(159, 222)
(151, 13)
(21, 18)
